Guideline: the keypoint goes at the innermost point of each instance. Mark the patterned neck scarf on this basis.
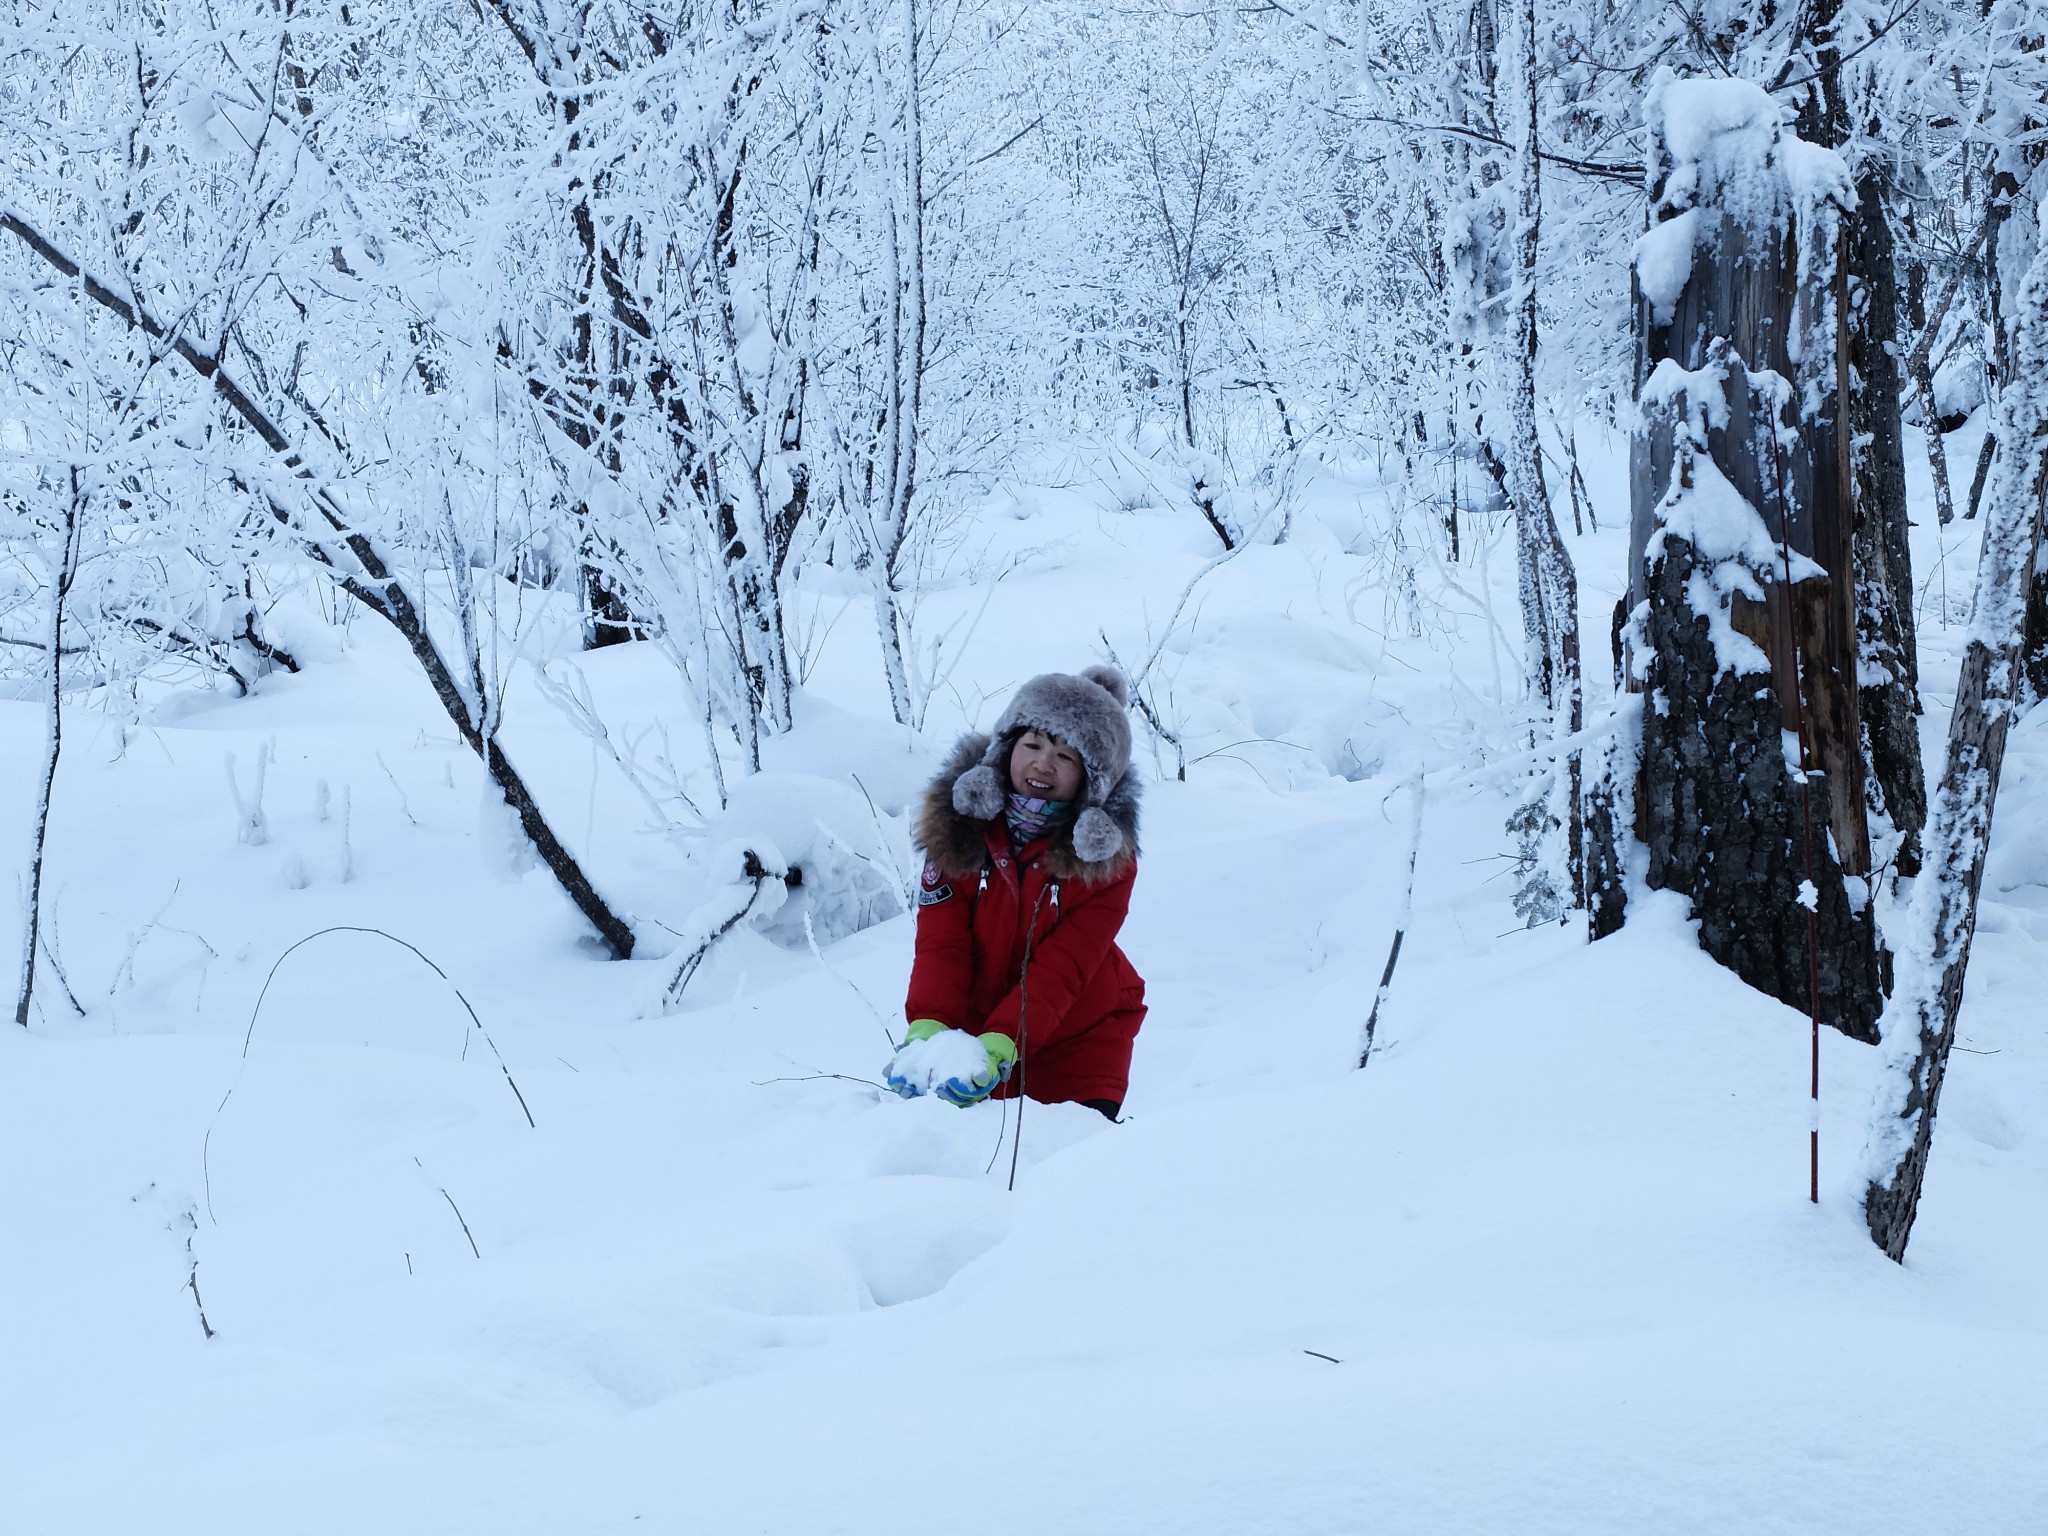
(1031, 818)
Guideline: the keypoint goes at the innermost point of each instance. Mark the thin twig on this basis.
(57, 969)
(1604, 170)
(1002, 1132)
(1251, 741)
(1835, 65)
(904, 884)
(250, 1034)
(404, 807)
(820, 1077)
(192, 1285)
(205, 1153)
(754, 870)
(831, 970)
(1379, 999)
(453, 1207)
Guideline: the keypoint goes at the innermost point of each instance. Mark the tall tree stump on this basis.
(1743, 523)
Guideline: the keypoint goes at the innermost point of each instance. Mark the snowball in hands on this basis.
(950, 1057)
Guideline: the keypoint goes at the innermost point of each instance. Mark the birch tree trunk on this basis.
(904, 375)
(1920, 1023)
(1548, 584)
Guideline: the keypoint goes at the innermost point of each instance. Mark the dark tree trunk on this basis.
(2008, 246)
(1983, 473)
(1612, 779)
(607, 620)
(1805, 495)
(1722, 813)
(1889, 679)
(2034, 650)
(1724, 817)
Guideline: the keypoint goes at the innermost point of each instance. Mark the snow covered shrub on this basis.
(847, 862)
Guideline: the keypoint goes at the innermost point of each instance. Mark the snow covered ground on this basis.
(1547, 1265)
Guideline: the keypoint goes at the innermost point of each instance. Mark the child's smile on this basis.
(1045, 767)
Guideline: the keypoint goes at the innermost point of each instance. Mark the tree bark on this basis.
(1920, 1024)
(1723, 815)
(1977, 482)
(1930, 425)
(1888, 674)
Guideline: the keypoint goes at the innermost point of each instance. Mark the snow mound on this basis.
(1293, 702)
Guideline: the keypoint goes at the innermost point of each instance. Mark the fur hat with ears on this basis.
(1086, 710)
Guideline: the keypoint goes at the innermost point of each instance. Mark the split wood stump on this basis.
(1723, 806)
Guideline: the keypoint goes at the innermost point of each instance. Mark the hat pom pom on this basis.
(1096, 836)
(1111, 682)
(978, 793)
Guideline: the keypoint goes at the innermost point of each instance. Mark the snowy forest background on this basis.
(547, 481)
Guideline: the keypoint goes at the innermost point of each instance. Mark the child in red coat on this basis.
(1030, 838)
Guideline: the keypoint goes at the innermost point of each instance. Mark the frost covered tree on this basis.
(661, 249)
(479, 310)
(176, 217)
(1220, 255)
(2002, 134)
(878, 427)
(928, 345)
(1920, 1023)
(1547, 583)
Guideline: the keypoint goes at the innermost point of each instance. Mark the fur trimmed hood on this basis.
(956, 842)
(1087, 710)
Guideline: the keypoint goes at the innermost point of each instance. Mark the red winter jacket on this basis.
(1074, 1017)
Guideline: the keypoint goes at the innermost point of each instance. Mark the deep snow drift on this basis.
(1546, 1265)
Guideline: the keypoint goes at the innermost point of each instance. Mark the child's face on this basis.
(1045, 767)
